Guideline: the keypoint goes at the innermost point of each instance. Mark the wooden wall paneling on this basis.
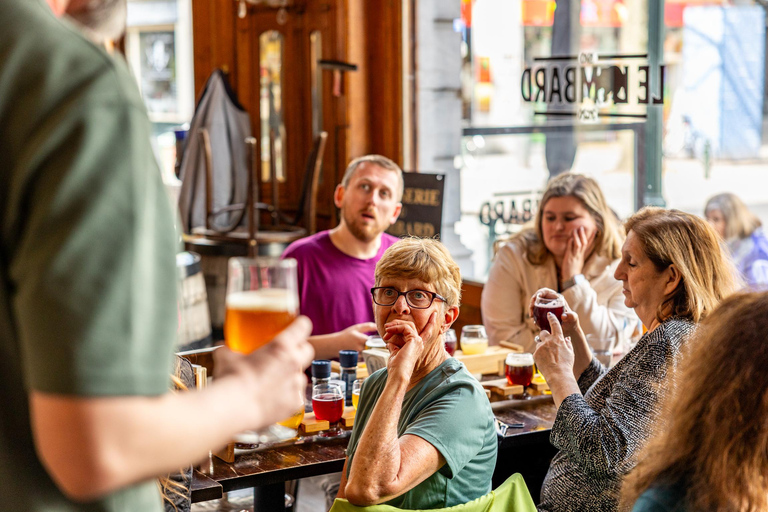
(375, 108)
(339, 129)
(322, 16)
(213, 27)
(356, 90)
(385, 78)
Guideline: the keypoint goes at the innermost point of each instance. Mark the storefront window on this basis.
(551, 86)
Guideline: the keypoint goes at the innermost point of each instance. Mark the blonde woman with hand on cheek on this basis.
(572, 247)
(424, 433)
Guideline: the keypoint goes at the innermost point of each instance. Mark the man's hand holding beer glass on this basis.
(262, 301)
(274, 374)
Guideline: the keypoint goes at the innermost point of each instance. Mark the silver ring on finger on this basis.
(537, 339)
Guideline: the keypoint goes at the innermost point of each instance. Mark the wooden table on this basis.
(525, 450)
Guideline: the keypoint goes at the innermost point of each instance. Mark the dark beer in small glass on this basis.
(519, 371)
(544, 305)
(328, 405)
(450, 341)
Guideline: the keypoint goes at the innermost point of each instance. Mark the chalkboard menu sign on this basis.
(422, 213)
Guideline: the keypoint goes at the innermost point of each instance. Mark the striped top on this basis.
(599, 434)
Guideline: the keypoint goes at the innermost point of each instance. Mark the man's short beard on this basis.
(360, 234)
(102, 20)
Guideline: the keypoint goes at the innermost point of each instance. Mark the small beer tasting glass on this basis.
(328, 405)
(450, 341)
(474, 340)
(544, 305)
(356, 386)
(262, 300)
(601, 348)
(519, 371)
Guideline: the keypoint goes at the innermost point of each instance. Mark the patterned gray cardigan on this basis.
(599, 434)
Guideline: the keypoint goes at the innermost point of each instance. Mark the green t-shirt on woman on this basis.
(449, 409)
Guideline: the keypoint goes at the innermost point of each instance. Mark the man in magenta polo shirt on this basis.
(336, 267)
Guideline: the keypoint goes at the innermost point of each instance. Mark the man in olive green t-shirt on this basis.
(87, 288)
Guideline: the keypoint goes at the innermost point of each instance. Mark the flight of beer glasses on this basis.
(262, 300)
(519, 371)
(328, 405)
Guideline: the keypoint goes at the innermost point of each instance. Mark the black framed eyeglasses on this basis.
(417, 299)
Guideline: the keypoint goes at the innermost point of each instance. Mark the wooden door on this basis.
(361, 110)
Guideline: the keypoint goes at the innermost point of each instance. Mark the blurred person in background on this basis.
(335, 267)
(573, 247)
(673, 274)
(88, 289)
(742, 233)
(424, 434)
(709, 450)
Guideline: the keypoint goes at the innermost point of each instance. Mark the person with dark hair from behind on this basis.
(710, 451)
(88, 288)
(743, 234)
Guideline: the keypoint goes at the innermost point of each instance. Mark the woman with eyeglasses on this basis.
(424, 434)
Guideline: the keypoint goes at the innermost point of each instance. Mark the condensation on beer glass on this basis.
(262, 300)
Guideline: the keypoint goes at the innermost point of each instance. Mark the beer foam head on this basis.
(514, 359)
(547, 302)
(266, 299)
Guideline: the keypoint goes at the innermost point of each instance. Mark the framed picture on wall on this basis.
(152, 55)
(155, 56)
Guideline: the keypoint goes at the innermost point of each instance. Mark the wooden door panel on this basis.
(364, 118)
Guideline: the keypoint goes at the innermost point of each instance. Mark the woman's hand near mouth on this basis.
(406, 345)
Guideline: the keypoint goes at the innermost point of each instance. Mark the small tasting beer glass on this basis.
(295, 420)
(519, 371)
(544, 305)
(450, 341)
(356, 386)
(328, 405)
(262, 300)
(474, 340)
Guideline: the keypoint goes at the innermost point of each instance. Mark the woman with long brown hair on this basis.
(573, 247)
(711, 452)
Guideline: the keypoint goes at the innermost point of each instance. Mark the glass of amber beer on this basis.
(262, 300)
